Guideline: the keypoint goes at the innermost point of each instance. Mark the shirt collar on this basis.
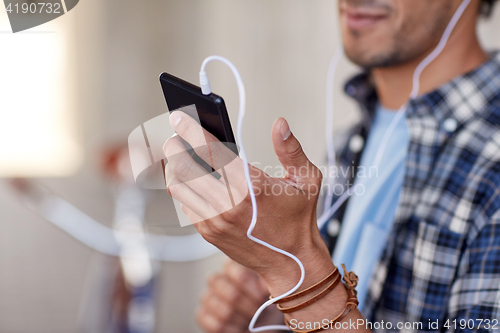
(459, 99)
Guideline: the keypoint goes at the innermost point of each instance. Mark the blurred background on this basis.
(72, 90)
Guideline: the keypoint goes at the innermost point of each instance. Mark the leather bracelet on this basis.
(309, 290)
(314, 299)
(350, 282)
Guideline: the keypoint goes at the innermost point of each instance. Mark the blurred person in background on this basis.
(435, 253)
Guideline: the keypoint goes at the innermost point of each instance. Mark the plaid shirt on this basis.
(442, 260)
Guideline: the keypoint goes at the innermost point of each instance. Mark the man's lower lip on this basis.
(362, 22)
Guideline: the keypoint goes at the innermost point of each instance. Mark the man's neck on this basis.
(461, 55)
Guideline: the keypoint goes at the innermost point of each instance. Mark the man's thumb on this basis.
(290, 153)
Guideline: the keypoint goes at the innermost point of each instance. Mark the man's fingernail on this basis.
(175, 118)
(175, 134)
(285, 130)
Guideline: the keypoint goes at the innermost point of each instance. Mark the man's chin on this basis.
(358, 58)
(369, 58)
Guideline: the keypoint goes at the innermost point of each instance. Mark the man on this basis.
(436, 209)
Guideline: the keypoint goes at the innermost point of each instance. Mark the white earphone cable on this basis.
(205, 86)
(418, 72)
(329, 210)
(330, 147)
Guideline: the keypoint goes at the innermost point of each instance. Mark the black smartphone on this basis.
(211, 110)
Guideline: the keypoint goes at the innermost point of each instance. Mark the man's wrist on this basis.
(317, 265)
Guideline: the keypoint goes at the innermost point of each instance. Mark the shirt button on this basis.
(450, 125)
(356, 143)
(333, 228)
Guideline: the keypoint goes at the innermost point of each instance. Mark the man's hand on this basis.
(286, 206)
(231, 300)
(286, 212)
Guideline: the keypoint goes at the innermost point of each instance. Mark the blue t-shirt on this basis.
(370, 212)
